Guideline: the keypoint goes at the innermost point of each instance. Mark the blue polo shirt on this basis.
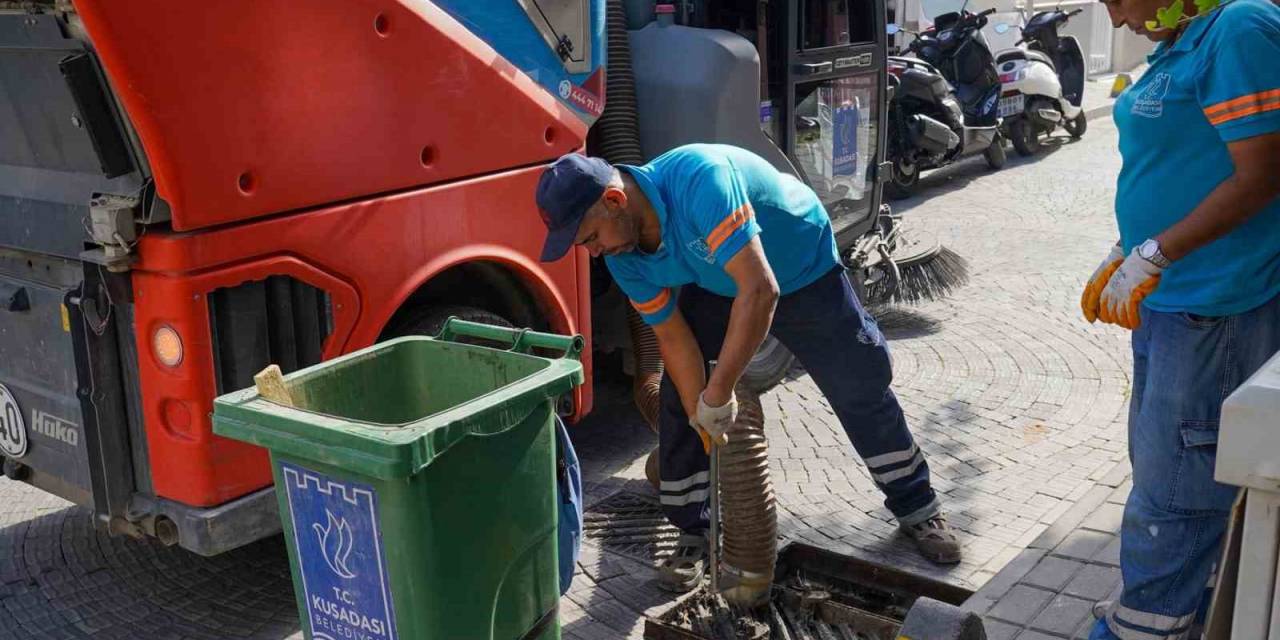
(1218, 83)
(711, 200)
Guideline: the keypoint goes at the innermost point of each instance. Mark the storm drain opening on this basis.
(632, 525)
(817, 595)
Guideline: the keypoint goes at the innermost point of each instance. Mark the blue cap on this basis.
(566, 190)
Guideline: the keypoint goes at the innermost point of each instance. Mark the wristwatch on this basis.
(1150, 251)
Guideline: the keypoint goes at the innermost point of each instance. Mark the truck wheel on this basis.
(1076, 126)
(906, 177)
(1026, 140)
(768, 367)
(995, 154)
(429, 320)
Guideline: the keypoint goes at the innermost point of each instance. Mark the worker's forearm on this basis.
(1228, 206)
(683, 361)
(749, 322)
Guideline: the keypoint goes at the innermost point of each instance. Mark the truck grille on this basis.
(279, 320)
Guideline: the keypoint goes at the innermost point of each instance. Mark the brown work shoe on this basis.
(684, 569)
(935, 539)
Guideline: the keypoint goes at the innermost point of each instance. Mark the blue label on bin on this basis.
(845, 146)
(340, 556)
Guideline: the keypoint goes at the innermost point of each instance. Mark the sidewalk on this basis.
(1048, 591)
(1097, 100)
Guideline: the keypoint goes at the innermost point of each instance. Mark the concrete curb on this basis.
(1098, 112)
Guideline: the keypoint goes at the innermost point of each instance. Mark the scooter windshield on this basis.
(934, 8)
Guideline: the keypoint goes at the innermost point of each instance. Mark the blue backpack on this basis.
(569, 488)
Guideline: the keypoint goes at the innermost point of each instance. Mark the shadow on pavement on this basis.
(59, 577)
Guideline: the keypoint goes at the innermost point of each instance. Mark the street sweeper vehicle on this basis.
(191, 191)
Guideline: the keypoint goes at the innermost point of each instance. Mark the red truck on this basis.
(191, 191)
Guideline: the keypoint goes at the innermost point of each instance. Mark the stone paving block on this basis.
(1020, 605)
(1053, 573)
(1071, 518)
(1094, 582)
(1062, 615)
(1106, 518)
(1109, 554)
(1032, 634)
(997, 630)
(1082, 544)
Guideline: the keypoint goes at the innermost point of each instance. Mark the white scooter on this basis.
(1041, 84)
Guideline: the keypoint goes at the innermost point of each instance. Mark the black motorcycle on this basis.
(943, 102)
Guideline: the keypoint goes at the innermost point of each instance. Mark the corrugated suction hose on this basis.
(748, 508)
(619, 135)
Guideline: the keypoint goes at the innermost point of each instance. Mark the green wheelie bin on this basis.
(417, 484)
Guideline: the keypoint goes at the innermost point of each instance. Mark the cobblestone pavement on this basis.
(1049, 589)
(1016, 401)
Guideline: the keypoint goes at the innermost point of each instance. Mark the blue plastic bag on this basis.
(569, 486)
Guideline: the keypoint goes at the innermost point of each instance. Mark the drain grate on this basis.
(632, 525)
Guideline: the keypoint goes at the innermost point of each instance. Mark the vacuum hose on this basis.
(619, 135)
(748, 507)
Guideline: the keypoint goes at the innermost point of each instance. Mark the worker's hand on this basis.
(1098, 281)
(1136, 278)
(716, 421)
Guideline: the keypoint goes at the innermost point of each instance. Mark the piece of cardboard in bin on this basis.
(270, 384)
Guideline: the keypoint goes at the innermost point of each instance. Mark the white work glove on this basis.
(1098, 281)
(716, 421)
(1136, 278)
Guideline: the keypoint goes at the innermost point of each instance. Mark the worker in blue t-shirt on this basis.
(1196, 276)
(715, 248)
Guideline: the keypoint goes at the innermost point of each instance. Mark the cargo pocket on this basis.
(1194, 490)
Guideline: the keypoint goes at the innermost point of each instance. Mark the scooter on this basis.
(1042, 83)
(943, 103)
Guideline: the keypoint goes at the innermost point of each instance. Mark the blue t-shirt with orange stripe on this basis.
(710, 200)
(1218, 83)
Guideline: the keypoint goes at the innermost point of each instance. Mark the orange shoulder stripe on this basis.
(1243, 106)
(728, 226)
(655, 305)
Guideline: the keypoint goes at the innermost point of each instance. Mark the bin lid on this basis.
(389, 410)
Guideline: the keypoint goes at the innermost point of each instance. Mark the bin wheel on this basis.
(428, 321)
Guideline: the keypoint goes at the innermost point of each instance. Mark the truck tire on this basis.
(768, 366)
(429, 320)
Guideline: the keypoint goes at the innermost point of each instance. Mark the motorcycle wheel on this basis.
(904, 180)
(1026, 140)
(1076, 126)
(995, 154)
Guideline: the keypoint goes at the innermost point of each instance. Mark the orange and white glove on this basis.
(1098, 281)
(1136, 278)
(717, 421)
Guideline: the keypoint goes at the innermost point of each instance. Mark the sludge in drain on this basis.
(817, 595)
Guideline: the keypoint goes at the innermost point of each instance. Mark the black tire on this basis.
(768, 366)
(1026, 140)
(429, 320)
(903, 182)
(1076, 126)
(995, 154)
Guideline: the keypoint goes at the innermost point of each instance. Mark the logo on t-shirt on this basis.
(699, 248)
(1150, 103)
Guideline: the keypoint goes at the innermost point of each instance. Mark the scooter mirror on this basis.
(1002, 28)
(892, 29)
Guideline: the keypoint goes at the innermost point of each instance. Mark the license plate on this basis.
(13, 433)
(1011, 105)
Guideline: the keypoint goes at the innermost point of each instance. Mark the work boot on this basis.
(683, 570)
(935, 539)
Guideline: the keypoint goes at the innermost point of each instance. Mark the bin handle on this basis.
(521, 340)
